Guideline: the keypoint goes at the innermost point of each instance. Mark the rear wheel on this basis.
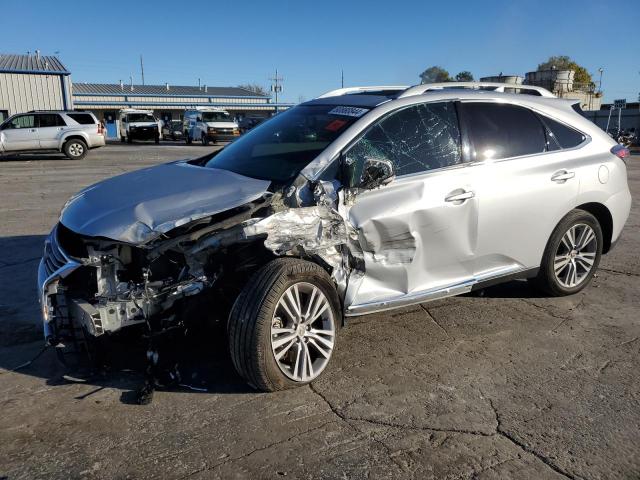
(572, 255)
(282, 327)
(75, 149)
(187, 138)
(121, 138)
(157, 139)
(204, 139)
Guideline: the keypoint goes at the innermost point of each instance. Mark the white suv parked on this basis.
(72, 133)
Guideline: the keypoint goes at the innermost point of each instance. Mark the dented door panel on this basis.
(413, 240)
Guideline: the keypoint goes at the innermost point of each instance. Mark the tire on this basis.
(563, 270)
(122, 139)
(187, 138)
(205, 140)
(75, 149)
(257, 310)
(157, 140)
(129, 140)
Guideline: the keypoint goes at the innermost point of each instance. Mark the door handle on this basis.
(459, 197)
(562, 176)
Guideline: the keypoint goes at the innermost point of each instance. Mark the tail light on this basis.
(621, 152)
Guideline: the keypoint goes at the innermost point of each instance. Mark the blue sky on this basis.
(374, 42)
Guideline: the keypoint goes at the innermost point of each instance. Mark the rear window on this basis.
(561, 136)
(82, 118)
(502, 131)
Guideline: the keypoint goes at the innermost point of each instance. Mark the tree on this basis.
(255, 88)
(564, 62)
(464, 76)
(435, 74)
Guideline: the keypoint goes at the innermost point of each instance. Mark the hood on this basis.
(139, 206)
(222, 124)
(143, 124)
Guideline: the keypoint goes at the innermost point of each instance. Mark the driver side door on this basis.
(20, 133)
(418, 233)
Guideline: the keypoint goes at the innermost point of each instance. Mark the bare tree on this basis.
(255, 88)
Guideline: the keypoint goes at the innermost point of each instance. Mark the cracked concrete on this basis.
(504, 385)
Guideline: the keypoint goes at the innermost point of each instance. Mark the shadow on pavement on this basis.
(200, 357)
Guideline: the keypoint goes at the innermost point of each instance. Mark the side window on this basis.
(499, 130)
(561, 136)
(82, 118)
(23, 121)
(415, 139)
(50, 120)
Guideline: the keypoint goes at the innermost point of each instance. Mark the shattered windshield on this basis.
(280, 148)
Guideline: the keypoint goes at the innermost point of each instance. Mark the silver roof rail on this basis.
(346, 91)
(494, 86)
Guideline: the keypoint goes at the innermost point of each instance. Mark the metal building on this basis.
(168, 102)
(33, 82)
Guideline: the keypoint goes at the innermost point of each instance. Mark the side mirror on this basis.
(376, 172)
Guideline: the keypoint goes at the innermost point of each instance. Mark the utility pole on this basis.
(142, 69)
(276, 86)
(600, 70)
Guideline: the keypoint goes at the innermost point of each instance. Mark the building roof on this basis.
(39, 64)
(161, 90)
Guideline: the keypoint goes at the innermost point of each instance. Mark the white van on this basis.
(138, 125)
(209, 125)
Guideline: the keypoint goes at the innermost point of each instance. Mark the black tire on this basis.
(187, 138)
(249, 324)
(129, 140)
(205, 140)
(75, 149)
(157, 139)
(547, 280)
(122, 139)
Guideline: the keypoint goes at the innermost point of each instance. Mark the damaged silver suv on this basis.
(362, 200)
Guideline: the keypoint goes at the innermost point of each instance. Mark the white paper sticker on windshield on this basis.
(349, 111)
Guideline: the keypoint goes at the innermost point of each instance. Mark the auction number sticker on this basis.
(349, 111)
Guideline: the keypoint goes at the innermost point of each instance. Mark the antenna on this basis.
(142, 69)
(131, 80)
(342, 78)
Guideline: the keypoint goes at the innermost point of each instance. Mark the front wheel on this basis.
(205, 140)
(572, 255)
(75, 149)
(282, 328)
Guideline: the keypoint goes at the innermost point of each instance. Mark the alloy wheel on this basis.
(575, 255)
(302, 332)
(76, 149)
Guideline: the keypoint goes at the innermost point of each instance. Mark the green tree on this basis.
(464, 76)
(435, 74)
(564, 62)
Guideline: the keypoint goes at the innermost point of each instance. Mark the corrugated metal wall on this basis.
(21, 92)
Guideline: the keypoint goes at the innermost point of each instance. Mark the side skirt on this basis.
(441, 292)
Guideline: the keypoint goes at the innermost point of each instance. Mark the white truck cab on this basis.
(138, 125)
(208, 124)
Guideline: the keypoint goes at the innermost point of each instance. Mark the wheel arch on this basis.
(605, 219)
(74, 136)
